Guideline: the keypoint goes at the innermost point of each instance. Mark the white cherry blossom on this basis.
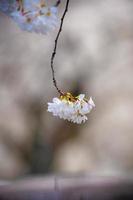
(32, 16)
(71, 108)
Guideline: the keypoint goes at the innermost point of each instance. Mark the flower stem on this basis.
(20, 3)
(55, 46)
(57, 3)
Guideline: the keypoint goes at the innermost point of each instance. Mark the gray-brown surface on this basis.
(69, 188)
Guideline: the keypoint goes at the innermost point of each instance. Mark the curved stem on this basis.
(57, 3)
(21, 7)
(55, 46)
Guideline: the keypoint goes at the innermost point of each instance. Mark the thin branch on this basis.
(57, 3)
(55, 47)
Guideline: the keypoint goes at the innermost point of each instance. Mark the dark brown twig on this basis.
(57, 3)
(55, 47)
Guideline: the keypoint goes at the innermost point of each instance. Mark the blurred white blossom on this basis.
(32, 16)
(73, 109)
(8, 6)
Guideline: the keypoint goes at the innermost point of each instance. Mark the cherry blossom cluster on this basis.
(37, 16)
(31, 16)
(71, 108)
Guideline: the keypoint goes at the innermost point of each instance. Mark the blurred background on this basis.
(95, 57)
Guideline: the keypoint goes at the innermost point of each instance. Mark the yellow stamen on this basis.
(29, 20)
(42, 3)
(48, 14)
(68, 97)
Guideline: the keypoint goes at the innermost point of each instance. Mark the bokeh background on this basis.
(95, 57)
